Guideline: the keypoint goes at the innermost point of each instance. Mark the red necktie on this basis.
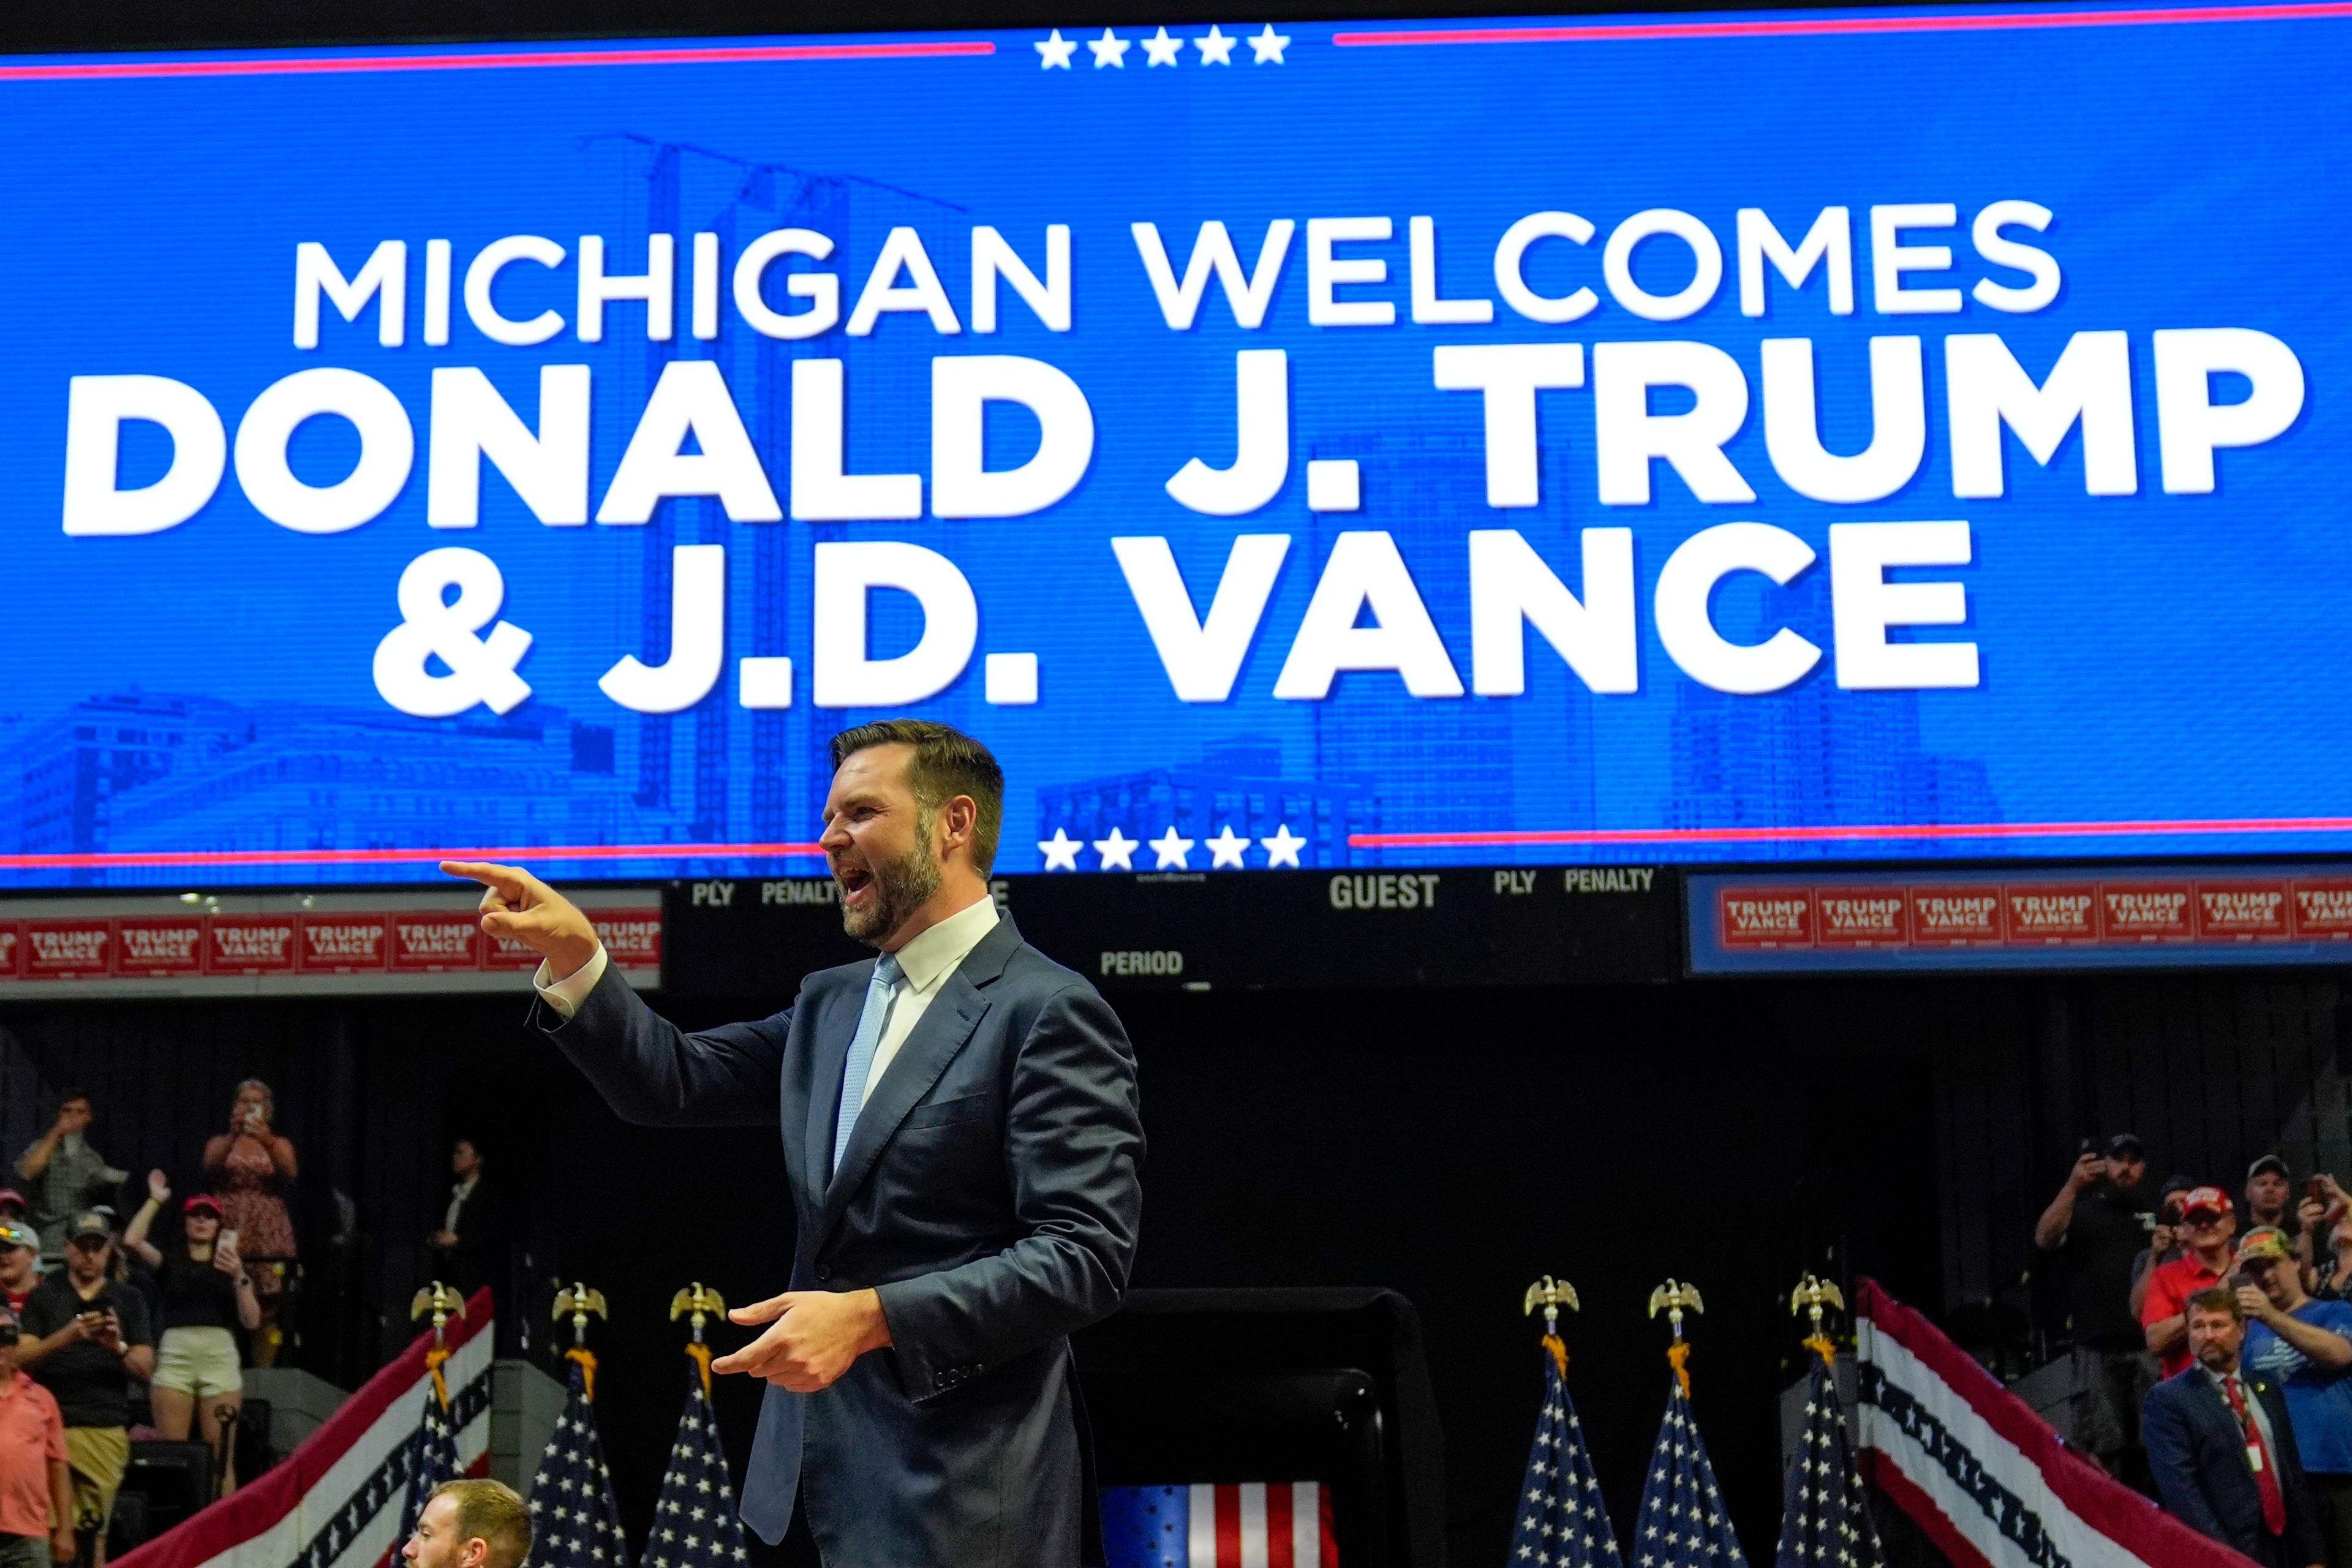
(2259, 1452)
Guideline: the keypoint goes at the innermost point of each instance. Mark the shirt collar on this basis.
(932, 955)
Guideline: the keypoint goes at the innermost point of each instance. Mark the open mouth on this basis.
(855, 882)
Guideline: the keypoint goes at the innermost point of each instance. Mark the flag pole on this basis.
(1675, 1299)
(1559, 1519)
(444, 1303)
(577, 1302)
(698, 1302)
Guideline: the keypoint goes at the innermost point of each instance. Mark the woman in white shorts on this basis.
(204, 1296)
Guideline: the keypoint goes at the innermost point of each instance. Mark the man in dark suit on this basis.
(2222, 1449)
(964, 1144)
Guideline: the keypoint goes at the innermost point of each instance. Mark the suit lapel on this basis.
(941, 1032)
(834, 1026)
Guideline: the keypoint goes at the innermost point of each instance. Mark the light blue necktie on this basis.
(854, 1072)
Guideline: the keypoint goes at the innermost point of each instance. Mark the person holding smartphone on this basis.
(249, 1168)
(2095, 1225)
(205, 1293)
(93, 1340)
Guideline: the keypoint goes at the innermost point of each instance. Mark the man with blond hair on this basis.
(470, 1524)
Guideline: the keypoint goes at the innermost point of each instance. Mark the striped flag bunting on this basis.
(1983, 1476)
(1255, 1524)
(336, 1502)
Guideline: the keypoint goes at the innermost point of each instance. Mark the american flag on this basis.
(429, 1458)
(574, 1522)
(1256, 1524)
(1825, 1518)
(694, 1524)
(1561, 1523)
(1682, 1522)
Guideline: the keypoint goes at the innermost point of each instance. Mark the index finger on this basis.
(508, 881)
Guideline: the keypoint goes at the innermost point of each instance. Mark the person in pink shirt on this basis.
(36, 1509)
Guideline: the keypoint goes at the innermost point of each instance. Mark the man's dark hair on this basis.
(70, 1096)
(2218, 1298)
(947, 762)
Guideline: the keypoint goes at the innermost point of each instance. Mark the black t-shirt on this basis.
(193, 1295)
(2104, 1237)
(91, 1385)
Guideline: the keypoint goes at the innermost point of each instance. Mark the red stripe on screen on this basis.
(327, 65)
(1836, 832)
(1278, 1554)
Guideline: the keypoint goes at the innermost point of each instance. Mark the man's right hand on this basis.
(2087, 1169)
(521, 907)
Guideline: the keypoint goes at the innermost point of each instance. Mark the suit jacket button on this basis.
(824, 1271)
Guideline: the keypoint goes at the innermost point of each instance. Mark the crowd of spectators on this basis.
(113, 1332)
(2212, 1345)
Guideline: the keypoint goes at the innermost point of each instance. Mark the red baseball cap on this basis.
(203, 1202)
(11, 1196)
(2212, 1198)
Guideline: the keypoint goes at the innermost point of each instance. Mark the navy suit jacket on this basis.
(2198, 1454)
(991, 1194)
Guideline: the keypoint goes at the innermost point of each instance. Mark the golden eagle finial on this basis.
(702, 1301)
(1675, 1299)
(1810, 1296)
(576, 1301)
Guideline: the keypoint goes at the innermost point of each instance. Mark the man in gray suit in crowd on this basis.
(963, 1139)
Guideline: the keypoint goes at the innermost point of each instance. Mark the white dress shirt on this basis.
(2262, 1417)
(927, 961)
(458, 1194)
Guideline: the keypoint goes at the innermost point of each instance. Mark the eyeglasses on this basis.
(9, 1334)
(89, 1243)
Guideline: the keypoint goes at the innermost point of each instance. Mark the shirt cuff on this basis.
(566, 994)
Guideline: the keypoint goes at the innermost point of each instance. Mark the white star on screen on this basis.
(1267, 47)
(1171, 850)
(1226, 848)
(1118, 851)
(1055, 51)
(1216, 49)
(1162, 48)
(1110, 50)
(1060, 851)
(1281, 849)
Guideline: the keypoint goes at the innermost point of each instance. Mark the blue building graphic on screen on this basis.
(547, 462)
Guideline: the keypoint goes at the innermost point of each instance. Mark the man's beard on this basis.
(900, 888)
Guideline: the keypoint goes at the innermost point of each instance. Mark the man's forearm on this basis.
(37, 1157)
(2050, 1230)
(2328, 1350)
(61, 1503)
(2166, 1333)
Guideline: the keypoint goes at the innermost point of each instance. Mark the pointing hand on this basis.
(521, 907)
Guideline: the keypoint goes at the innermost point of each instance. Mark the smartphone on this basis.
(2087, 1146)
(228, 1239)
(2315, 1190)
